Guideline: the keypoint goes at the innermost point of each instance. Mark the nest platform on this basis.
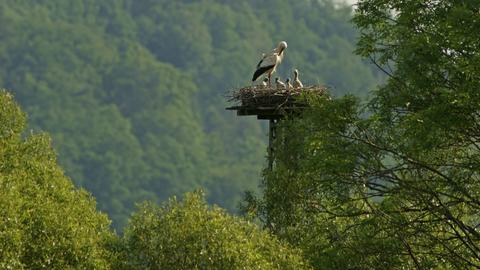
(271, 103)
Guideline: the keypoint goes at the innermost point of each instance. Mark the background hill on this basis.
(132, 91)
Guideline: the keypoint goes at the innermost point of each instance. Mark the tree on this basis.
(397, 188)
(45, 223)
(429, 108)
(188, 234)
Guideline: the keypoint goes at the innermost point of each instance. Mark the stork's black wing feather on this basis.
(259, 63)
(260, 71)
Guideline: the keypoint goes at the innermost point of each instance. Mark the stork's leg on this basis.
(269, 79)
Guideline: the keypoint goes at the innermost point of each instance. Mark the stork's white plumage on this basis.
(296, 81)
(270, 61)
(279, 83)
(288, 85)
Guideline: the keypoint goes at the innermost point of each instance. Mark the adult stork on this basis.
(269, 62)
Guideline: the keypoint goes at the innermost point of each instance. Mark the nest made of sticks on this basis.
(258, 95)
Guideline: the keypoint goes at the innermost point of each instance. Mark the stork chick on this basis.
(296, 81)
(279, 83)
(269, 62)
(265, 82)
(288, 84)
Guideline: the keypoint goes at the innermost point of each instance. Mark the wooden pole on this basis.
(271, 138)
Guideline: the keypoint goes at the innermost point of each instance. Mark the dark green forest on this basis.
(116, 151)
(132, 92)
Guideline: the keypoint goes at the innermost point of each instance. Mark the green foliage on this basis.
(132, 92)
(397, 188)
(45, 223)
(188, 234)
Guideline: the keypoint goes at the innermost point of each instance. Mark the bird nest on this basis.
(255, 96)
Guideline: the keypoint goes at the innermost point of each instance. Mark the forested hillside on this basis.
(132, 91)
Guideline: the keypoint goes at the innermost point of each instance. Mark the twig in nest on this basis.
(269, 96)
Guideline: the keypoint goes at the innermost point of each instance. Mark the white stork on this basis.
(270, 61)
(279, 83)
(296, 82)
(288, 84)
